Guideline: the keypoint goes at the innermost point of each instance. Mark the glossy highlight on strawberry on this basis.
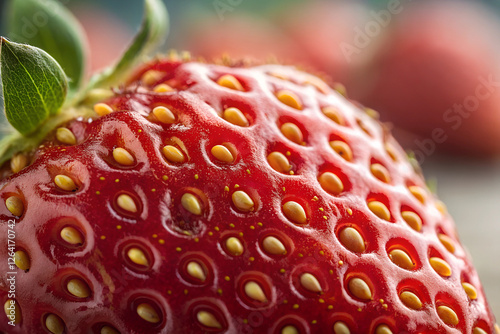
(229, 198)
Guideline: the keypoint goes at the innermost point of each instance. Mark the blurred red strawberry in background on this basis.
(438, 76)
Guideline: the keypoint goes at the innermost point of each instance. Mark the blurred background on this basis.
(431, 68)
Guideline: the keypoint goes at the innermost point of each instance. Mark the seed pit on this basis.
(15, 205)
(351, 239)
(295, 212)
(229, 81)
(272, 245)
(236, 117)
(22, 260)
(72, 236)
(254, 289)
(340, 327)
(380, 172)
(440, 266)
(78, 288)
(342, 149)
(334, 114)
(242, 201)
(412, 219)
(233, 246)
(54, 324)
(360, 289)
(380, 210)
(293, 133)
(137, 256)
(127, 204)
(164, 115)
(447, 315)
(279, 162)
(331, 183)
(290, 99)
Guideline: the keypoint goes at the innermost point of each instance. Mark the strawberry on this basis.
(226, 198)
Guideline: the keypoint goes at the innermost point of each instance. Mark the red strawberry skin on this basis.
(171, 235)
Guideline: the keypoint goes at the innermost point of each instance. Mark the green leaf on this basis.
(34, 85)
(152, 34)
(48, 25)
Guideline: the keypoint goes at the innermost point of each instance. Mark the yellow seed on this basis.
(195, 270)
(391, 152)
(109, 330)
(255, 292)
(440, 266)
(447, 242)
(162, 88)
(222, 153)
(22, 260)
(317, 83)
(242, 201)
(380, 210)
(380, 172)
(292, 132)
(191, 203)
(331, 183)
(13, 311)
(234, 246)
(65, 136)
(173, 154)
(410, 300)
(352, 240)
(65, 183)
(54, 324)
(78, 288)
(295, 212)
(497, 329)
(289, 329)
(15, 205)
(383, 329)
(290, 99)
(418, 193)
(310, 283)
(235, 116)
(102, 109)
(126, 203)
(478, 330)
(341, 327)
(273, 245)
(412, 219)
(448, 316)
(208, 319)
(334, 114)
(123, 157)
(441, 207)
(151, 76)
(342, 149)
(230, 82)
(164, 115)
(470, 290)
(401, 259)
(137, 256)
(71, 235)
(360, 289)
(18, 162)
(279, 162)
(148, 313)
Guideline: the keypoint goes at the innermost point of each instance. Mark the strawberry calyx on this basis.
(38, 94)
